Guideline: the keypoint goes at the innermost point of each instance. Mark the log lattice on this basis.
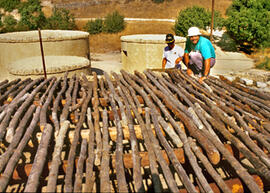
(133, 133)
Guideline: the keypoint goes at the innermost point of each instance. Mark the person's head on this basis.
(170, 40)
(194, 34)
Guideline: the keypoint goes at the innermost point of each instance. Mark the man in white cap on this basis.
(172, 54)
(199, 54)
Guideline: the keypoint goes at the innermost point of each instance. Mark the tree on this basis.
(196, 16)
(248, 22)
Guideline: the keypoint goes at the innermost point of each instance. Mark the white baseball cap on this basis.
(194, 31)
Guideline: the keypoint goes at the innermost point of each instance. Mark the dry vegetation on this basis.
(134, 9)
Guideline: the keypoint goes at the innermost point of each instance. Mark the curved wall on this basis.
(19, 45)
(143, 51)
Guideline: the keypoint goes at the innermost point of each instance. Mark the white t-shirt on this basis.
(172, 55)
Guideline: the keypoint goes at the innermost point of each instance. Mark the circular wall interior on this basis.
(144, 51)
(16, 46)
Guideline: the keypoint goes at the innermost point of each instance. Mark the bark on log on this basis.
(222, 185)
(89, 181)
(16, 139)
(18, 86)
(240, 170)
(74, 99)
(55, 119)
(137, 175)
(178, 167)
(120, 171)
(56, 158)
(96, 121)
(39, 161)
(80, 166)
(43, 113)
(151, 153)
(105, 185)
(71, 156)
(14, 105)
(5, 177)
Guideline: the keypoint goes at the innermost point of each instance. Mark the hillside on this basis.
(135, 8)
(169, 9)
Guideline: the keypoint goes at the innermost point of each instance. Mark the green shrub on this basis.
(264, 64)
(196, 16)
(61, 19)
(32, 16)
(94, 27)
(158, 1)
(114, 23)
(248, 22)
(9, 5)
(9, 24)
(226, 43)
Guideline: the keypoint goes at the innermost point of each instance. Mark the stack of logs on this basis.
(133, 133)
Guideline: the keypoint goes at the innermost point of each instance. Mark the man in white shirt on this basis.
(172, 54)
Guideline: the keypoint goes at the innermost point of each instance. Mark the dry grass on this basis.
(146, 8)
(102, 43)
(135, 9)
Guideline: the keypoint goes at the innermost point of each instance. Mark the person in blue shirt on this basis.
(199, 54)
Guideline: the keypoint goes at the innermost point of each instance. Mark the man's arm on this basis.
(206, 70)
(186, 59)
(164, 63)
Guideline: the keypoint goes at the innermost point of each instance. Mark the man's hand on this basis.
(189, 72)
(201, 79)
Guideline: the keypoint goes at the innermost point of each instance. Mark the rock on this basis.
(246, 81)
(261, 84)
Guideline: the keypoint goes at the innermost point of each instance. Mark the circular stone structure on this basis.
(54, 65)
(145, 51)
(17, 46)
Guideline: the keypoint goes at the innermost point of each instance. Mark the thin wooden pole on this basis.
(212, 20)
(42, 53)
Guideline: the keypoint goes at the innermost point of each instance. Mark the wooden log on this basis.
(39, 161)
(65, 110)
(210, 149)
(175, 138)
(208, 146)
(240, 170)
(3, 82)
(71, 156)
(222, 185)
(258, 165)
(43, 114)
(56, 158)
(256, 95)
(18, 86)
(235, 185)
(120, 172)
(105, 185)
(96, 121)
(137, 175)
(168, 176)
(80, 166)
(89, 179)
(178, 167)
(245, 137)
(55, 119)
(16, 139)
(13, 106)
(74, 99)
(5, 177)
(9, 84)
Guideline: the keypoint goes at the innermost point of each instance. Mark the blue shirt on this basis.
(204, 46)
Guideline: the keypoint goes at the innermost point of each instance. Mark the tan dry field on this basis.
(169, 9)
(102, 43)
